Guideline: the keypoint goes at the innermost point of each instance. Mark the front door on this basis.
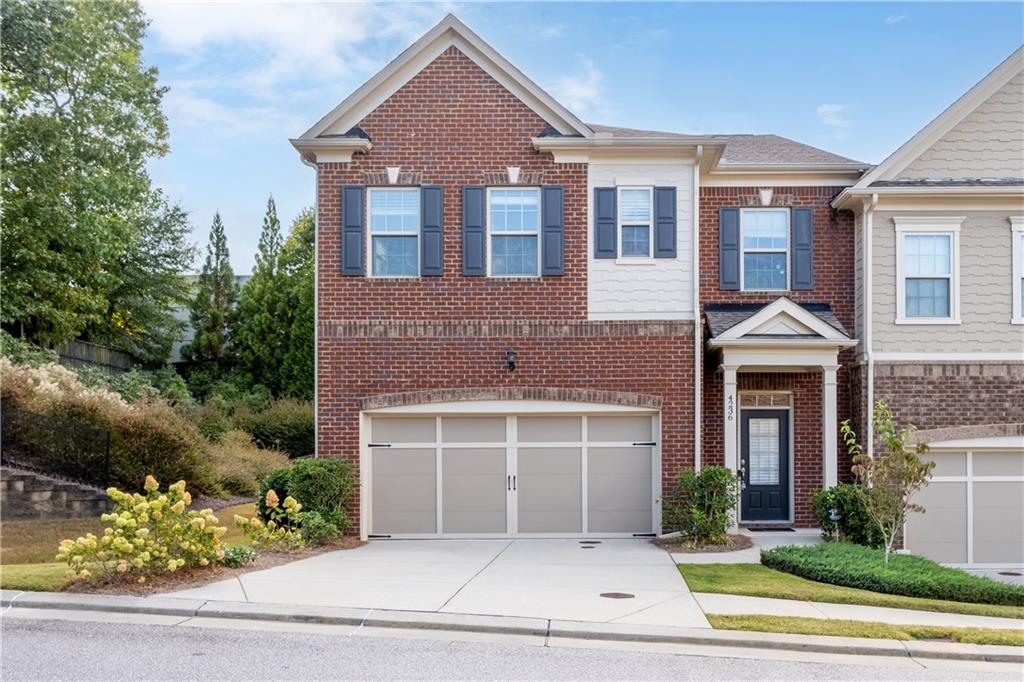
(764, 465)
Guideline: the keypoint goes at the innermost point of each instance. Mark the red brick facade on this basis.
(833, 284)
(452, 125)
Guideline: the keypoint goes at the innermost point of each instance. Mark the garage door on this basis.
(974, 509)
(511, 475)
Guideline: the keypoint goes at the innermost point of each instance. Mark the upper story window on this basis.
(394, 231)
(635, 211)
(764, 235)
(927, 264)
(1017, 253)
(513, 229)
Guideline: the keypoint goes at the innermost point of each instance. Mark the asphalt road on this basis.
(69, 650)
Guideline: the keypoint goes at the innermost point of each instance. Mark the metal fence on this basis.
(55, 446)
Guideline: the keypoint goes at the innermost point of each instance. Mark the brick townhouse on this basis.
(528, 325)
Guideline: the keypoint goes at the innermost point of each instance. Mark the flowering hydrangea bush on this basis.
(150, 533)
(279, 533)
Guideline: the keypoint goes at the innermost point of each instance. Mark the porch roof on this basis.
(724, 316)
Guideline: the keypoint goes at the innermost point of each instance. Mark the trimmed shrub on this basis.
(699, 505)
(850, 565)
(316, 530)
(237, 556)
(212, 421)
(324, 486)
(852, 522)
(281, 532)
(278, 481)
(287, 425)
(238, 465)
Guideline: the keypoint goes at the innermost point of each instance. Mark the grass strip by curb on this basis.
(34, 577)
(850, 628)
(754, 580)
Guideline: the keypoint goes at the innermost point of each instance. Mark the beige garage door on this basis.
(974, 509)
(511, 475)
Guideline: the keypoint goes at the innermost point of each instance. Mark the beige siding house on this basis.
(940, 260)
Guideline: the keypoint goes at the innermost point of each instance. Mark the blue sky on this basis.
(856, 79)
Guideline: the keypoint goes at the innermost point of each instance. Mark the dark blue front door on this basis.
(764, 451)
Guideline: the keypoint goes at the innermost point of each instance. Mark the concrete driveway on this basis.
(556, 579)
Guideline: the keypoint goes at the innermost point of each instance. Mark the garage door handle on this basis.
(509, 483)
(513, 483)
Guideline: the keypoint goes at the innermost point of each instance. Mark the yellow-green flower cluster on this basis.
(281, 532)
(148, 533)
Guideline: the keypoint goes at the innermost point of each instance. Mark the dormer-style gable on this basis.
(781, 322)
(336, 136)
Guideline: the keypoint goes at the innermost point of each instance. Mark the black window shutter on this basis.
(474, 205)
(552, 230)
(664, 222)
(729, 249)
(352, 231)
(605, 237)
(803, 248)
(431, 231)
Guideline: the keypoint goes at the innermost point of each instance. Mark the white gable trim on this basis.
(946, 121)
(448, 32)
(779, 310)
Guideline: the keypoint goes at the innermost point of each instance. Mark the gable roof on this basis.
(448, 32)
(896, 162)
(730, 321)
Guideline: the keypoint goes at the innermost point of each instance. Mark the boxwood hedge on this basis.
(850, 565)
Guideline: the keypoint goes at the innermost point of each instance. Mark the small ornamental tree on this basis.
(890, 479)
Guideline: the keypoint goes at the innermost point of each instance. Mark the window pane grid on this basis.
(927, 297)
(635, 206)
(926, 254)
(636, 240)
(765, 249)
(394, 217)
(513, 217)
(514, 210)
(763, 440)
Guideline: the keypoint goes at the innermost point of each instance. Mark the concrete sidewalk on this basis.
(737, 605)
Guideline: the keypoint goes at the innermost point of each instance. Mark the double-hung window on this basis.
(764, 234)
(635, 211)
(394, 232)
(1017, 253)
(513, 228)
(927, 264)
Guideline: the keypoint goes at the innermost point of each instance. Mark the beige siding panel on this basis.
(619, 497)
(549, 489)
(404, 490)
(618, 429)
(998, 463)
(550, 429)
(473, 429)
(473, 490)
(403, 430)
(999, 522)
(941, 532)
(985, 292)
(988, 143)
(949, 463)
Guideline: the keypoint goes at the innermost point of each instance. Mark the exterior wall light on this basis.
(511, 359)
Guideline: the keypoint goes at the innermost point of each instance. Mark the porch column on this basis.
(730, 417)
(830, 425)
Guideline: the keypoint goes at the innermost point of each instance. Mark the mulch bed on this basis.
(215, 503)
(736, 542)
(196, 577)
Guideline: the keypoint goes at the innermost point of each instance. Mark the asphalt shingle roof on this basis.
(724, 316)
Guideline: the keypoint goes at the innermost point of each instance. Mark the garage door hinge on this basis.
(371, 536)
(378, 445)
(645, 535)
(650, 443)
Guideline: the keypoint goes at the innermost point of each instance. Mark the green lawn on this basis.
(850, 628)
(27, 548)
(754, 580)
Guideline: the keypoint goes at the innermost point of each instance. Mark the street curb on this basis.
(422, 620)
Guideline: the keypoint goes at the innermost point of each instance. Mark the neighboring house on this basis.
(529, 325)
(940, 314)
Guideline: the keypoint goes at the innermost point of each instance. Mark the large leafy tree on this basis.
(297, 265)
(215, 296)
(260, 329)
(90, 247)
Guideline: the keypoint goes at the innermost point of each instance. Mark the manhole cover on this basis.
(617, 595)
(1014, 573)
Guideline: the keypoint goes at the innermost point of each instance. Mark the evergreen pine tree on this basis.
(297, 265)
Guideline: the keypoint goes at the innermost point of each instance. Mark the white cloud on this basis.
(550, 31)
(832, 115)
(582, 93)
(895, 18)
(188, 109)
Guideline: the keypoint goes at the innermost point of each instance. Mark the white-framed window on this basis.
(394, 234)
(513, 232)
(636, 216)
(764, 241)
(928, 270)
(1017, 253)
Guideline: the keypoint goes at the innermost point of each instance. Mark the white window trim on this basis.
(787, 250)
(635, 260)
(939, 226)
(370, 233)
(1017, 253)
(521, 233)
